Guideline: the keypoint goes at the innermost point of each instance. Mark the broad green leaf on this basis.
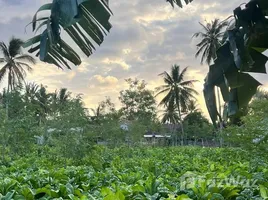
(8, 196)
(83, 20)
(42, 8)
(263, 191)
(183, 197)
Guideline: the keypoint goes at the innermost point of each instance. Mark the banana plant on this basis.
(241, 52)
(85, 21)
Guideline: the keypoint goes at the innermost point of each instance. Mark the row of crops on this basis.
(140, 173)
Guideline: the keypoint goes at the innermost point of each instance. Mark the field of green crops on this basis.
(140, 173)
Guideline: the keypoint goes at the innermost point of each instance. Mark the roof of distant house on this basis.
(157, 136)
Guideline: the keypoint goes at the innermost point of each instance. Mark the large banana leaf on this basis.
(179, 2)
(85, 21)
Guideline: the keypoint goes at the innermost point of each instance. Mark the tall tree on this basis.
(193, 106)
(15, 64)
(170, 115)
(138, 102)
(60, 99)
(44, 104)
(211, 37)
(177, 91)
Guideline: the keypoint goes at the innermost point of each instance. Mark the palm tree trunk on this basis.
(7, 96)
(181, 124)
(219, 101)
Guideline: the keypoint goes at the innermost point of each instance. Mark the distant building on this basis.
(124, 127)
(157, 139)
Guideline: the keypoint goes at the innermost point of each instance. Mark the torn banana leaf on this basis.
(85, 21)
(179, 2)
(210, 99)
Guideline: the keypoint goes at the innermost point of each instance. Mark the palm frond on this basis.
(14, 47)
(85, 21)
(167, 78)
(26, 58)
(182, 74)
(162, 91)
(3, 71)
(188, 83)
(191, 91)
(20, 70)
(28, 67)
(200, 34)
(4, 50)
(200, 50)
(175, 72)
(169, 98)
(161, 87)
(203, 42)
(205, 27)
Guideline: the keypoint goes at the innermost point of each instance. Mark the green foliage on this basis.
(141, 173)
(252, 134)
(138, 102)
(197, 127)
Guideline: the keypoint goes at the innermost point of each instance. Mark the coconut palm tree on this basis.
(59, 99)
(193, 106)
(211, 38)
(15, 64)
(170, 115)
(97, 113)
(177, 90)
(30, 93)
(44, 104)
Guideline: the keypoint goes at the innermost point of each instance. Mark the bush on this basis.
(252, 135)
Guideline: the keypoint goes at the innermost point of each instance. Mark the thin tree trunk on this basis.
(219, 100)
(181, 124)
(7, 96)
(7, 102)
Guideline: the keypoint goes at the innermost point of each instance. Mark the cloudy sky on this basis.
(147, 37)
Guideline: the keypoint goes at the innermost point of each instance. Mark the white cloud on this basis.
(110, 80)
(83, 68)
(117, 61)
(127, 51)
